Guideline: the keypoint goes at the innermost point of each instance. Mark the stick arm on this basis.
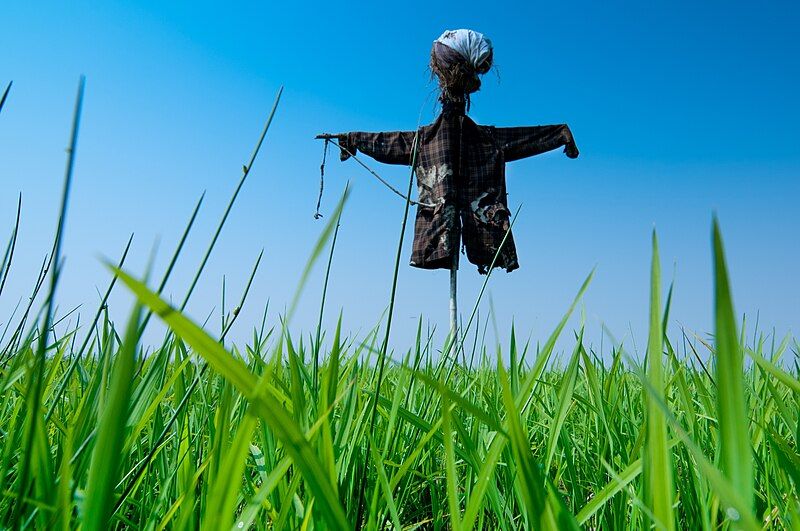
(391, 147)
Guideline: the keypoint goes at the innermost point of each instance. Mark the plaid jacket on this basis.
(460, 168)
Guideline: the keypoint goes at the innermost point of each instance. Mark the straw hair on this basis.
(457, 77)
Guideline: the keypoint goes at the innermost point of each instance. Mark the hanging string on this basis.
(317, 214)
(330, 139)
(386, 184)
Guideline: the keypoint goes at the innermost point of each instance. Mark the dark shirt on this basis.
(460, 168)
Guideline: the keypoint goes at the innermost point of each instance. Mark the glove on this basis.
(571, 150)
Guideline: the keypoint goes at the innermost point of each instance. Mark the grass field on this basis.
(328, 431)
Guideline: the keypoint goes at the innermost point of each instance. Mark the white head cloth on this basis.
(472, 45)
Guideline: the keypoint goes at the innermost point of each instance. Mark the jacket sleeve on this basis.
(520, 142)
(390, 148)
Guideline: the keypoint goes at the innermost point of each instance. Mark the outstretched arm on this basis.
(390, 148)
(520, 142)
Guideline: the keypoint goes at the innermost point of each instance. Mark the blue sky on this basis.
(680, 110)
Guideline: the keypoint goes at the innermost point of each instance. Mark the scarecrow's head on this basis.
(458, 59)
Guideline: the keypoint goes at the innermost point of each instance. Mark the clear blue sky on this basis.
(680, 109)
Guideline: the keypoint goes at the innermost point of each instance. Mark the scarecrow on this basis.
(460, 165)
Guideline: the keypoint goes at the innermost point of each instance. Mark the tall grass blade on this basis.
(107, 455)
(245, 173)
(264, 404)
(736, 457)
(5, 95)
(657, 462)
(544, 508)
(8, 256)
(35, 392)
(565, 392)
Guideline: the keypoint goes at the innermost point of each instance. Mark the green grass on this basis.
(323, 430)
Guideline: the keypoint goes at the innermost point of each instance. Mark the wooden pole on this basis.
(454, 296)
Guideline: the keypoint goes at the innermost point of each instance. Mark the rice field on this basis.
(329, 430)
